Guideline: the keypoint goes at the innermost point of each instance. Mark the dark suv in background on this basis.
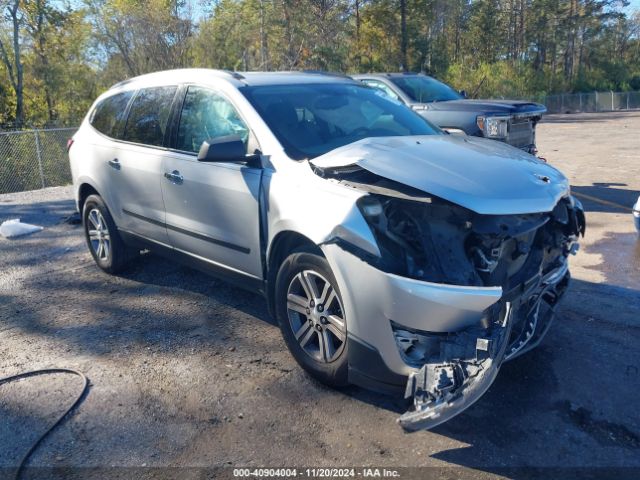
(510, 121)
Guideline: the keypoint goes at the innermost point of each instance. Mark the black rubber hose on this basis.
(76, 402)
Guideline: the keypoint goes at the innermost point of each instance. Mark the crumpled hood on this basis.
(482, 175)
(506, 107)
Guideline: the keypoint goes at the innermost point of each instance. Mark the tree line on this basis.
(56, 56)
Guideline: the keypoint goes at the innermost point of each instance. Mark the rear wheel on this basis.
(104, 242)
(311, 316)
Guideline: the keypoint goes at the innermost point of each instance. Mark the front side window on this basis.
(149, 115)
(206, 116)
(108, 116)
(312, 119)
(423, 89)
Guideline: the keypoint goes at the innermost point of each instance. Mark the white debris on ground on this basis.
(14, 228)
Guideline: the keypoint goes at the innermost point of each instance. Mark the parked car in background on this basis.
(636, 215)
(510, 121)
(392, 255)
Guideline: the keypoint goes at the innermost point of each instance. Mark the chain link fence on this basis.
(590, 102)
(34, 159)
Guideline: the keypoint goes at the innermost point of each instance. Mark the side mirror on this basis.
(229, 148)
(463, 93)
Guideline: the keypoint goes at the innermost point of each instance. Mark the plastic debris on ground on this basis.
(14, 228)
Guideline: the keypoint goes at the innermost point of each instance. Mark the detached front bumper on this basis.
(462, 333)
(441, 391)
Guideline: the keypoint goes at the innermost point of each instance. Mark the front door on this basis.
(212, 209)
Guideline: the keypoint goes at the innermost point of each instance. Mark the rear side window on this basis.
(149, 115)
(108, 116)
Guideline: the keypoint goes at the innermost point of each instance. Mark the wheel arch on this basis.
(84, 190)
(280, 247)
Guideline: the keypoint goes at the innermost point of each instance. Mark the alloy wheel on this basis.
(98, 233)
(316, 316)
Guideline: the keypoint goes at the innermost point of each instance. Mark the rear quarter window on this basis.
(109, 115)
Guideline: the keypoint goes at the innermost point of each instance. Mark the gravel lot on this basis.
(187, 371)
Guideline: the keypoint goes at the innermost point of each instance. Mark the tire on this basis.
(105, 244)
(313, 325)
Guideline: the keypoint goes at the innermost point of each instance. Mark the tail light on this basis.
(69, 143)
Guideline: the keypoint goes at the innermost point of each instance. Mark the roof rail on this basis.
(328, 74)
(122, 82)
(235, 75)
(390, 74)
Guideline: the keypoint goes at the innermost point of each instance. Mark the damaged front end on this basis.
(459, 368)
(457, 374)
(430, 239)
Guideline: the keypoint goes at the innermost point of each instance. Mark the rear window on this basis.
(149, 115)
(108, 116)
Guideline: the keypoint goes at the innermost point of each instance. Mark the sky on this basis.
(635, 5)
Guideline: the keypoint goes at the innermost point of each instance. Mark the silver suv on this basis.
(393, 255)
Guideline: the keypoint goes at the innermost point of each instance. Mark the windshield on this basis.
(423, 89)
(310, 120)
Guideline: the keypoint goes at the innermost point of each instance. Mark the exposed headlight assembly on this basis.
(493, 127)
(398, 233)
(404, 232)
(371, 208)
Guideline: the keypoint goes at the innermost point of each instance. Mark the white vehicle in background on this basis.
(393, 256)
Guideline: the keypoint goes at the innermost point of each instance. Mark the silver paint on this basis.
(482, 175)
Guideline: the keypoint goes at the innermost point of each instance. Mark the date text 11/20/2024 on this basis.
(316, 472)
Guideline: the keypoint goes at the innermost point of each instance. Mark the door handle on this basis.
(174, 176)
(115, 163)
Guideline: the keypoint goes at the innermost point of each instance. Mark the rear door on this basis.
(101, 156)
(136, 166)
(211, 208)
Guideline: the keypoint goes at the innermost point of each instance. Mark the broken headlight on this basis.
(420, 239)
(401, 237)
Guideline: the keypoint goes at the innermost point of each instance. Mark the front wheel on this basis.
(311, 316)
